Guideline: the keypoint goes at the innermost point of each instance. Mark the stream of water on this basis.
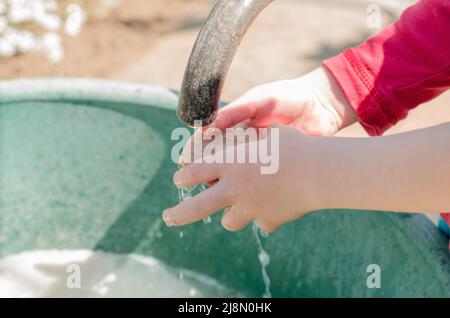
(263, 256)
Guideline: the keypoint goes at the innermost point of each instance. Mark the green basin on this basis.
(85, 164)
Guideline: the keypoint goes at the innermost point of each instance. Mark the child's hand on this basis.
(271, 199)
(313, 104)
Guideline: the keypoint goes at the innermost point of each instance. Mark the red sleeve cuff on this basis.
(369, 103)
(446, 217)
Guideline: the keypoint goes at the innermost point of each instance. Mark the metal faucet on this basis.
(211, 58)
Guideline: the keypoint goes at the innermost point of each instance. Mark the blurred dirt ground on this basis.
(110, 40)
(149, 41)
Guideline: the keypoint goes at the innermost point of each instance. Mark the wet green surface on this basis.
(87, 165)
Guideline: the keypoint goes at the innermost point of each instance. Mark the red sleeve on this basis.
(446, 217)
(405, 65)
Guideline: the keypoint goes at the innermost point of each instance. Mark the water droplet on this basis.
(207, 220)
(264, 258)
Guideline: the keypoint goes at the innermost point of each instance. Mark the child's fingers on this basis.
(211, 183)
(266, 226)
(191, 152)
(235, 220)
(199, 207)
(196, 173)
(234, 114)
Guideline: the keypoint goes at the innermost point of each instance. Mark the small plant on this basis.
(37, 25)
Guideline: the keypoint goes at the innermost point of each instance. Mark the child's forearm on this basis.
(407, 172)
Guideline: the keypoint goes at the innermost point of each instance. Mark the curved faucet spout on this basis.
(211, 57)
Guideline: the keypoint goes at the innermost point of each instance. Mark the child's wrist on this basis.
(316, 170)
(328, 183)
(332, 97)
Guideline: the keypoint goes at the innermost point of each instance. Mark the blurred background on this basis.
(149, 41)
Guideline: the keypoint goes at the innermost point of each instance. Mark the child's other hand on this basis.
(313, 104)
(247, 194)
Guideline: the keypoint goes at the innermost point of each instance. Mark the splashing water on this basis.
(186, 193)
(207, 220)
(263, 257)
